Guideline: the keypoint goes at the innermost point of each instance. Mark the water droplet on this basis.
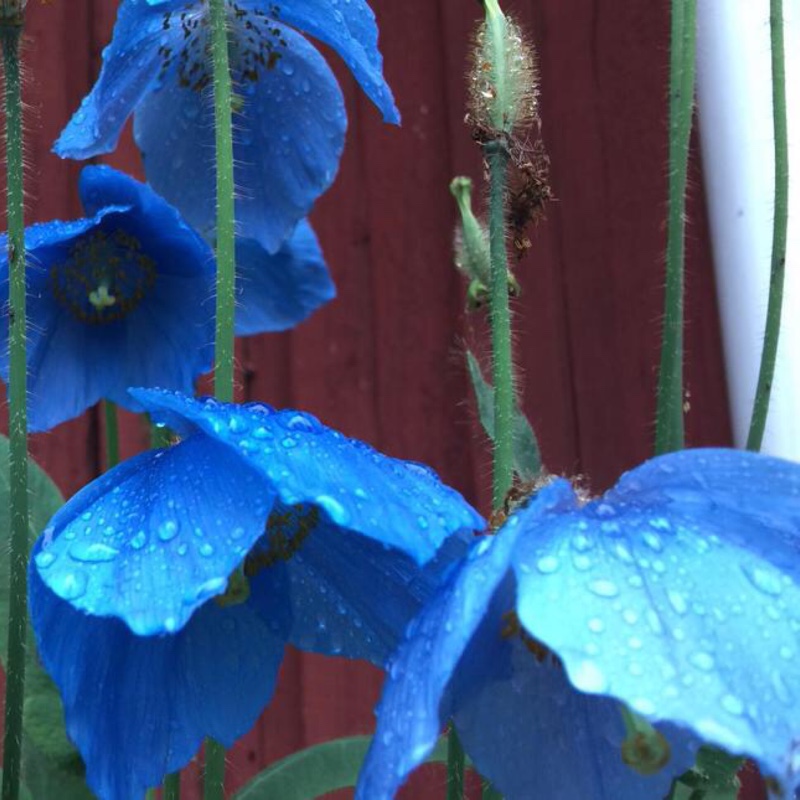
(764, 580)
(733, 705)
(643, 705)
(588, 677)
(547, 565)
(288, 442)
(653, 541)
(703, 661)
(92, 552)
(45, 559)
(596, 625)
(206, 549)
(630, 616)
(677, 601)
(70, 585)
(139, 540)
(333, 508)
(168, 530)
(300, 422)
(604, 588)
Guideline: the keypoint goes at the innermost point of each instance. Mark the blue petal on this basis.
(334, 580)
(524, 726)
(350, 29)
(276, 292)
(416, 702)
(166, 340)
(676, 592)
(131, 66)
(397, 503)
(289, 136)
(138, 707)
(153, 539)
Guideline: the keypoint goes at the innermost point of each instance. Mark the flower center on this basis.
(255, 43)
(105, 277)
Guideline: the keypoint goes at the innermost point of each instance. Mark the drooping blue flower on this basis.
(123, 297)
(675, 593)
(289, 115)
(162, 595)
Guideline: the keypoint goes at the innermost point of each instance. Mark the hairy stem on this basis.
(455, 766)
(172, 787)
(779, 232)
(226, 251)
(214, 782)
(10, 33)
(669, 410)
(112, 434)
(500, 319)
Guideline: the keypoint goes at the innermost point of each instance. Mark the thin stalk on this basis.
(172, 787)
(500, 319)
(10, 33)
(214, 782)
(669, 411)
(455, 766)
(779, 231)
(112, 434)
(151, 794)
(226, 252)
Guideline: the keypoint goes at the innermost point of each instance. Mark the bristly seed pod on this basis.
(11, 11)
(502, 81)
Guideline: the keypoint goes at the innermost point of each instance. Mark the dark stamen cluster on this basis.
(286, 530)
(105, 277)
(255, 43)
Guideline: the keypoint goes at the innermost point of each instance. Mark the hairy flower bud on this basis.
(502, 80)
(11, 11)
(472, 237)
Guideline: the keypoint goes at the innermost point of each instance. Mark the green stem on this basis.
(172, 787)
(779, 232)
(500, 318)
(226, 252)
(226, 283)
(455, 766)
(112, 434)
(10, 32)
(214, 780)
(669, 412)
(489, 792)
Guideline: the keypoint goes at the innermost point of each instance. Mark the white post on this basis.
(735, 111)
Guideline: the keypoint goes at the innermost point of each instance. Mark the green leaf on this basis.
(318, 770)
(46, 779)
(44, 731)
(527, 459)
(713, 777)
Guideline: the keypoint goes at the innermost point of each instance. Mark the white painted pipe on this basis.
(735, 111)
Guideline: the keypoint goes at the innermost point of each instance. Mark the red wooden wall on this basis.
(384, 362)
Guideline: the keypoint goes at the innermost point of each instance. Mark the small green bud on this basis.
(472, 237)
(644, 749)
(502, 80)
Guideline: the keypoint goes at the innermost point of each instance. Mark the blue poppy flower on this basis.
(675, 593)
(289, 114)
(162, 595)
(123, 297)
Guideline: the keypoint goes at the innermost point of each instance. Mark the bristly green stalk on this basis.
(226, 253)
(214, 780)
(456, 761)
(11, 20)
(500, 318)
(112, 434)
(669, 411)
(779, 231)
(172, 787)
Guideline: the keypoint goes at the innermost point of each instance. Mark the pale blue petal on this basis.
(349, 28)
(138, 707)
(288, 138)
(677, 592)
(153, 539)
(131, 67)
(277, 292)
(397, 503)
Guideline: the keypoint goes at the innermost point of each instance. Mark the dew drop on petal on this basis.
(764, 580)
(333, 508)
(604, 588)
(547, 565)
(69, 585)
(92, 552)
(168, 530)
(588, 677)
(44, 559)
